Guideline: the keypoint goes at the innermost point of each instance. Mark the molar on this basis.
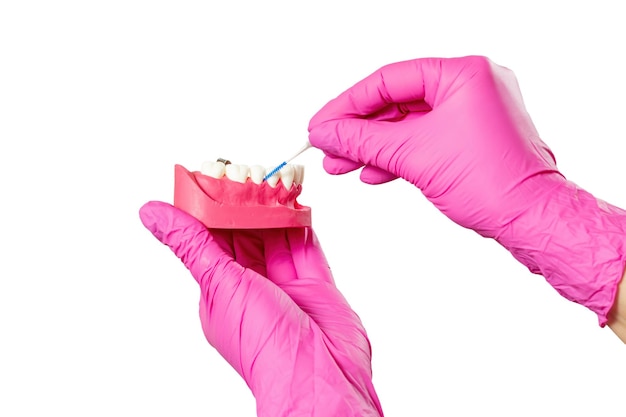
(213, 169)
(237, 172)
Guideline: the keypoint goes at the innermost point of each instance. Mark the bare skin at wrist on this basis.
(617, 315)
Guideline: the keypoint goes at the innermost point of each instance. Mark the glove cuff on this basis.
(576, 241)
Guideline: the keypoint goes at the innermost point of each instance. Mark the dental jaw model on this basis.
(223, 195)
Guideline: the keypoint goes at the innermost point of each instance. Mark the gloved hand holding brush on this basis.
(458, 130)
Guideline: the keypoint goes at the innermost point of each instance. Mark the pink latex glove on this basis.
(270, 307)
(458, 130)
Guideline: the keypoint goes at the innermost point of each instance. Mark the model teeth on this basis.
(288, 175)
(213, 169)
(298, 177)
(257, 173)
(273, 180)
(237, 173)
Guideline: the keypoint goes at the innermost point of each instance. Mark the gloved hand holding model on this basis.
(458, 130)
(270, 307)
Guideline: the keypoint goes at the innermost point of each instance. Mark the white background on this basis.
(99, 100)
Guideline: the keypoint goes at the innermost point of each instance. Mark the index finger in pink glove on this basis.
(397, 88)
(395, 92)
(296, 262)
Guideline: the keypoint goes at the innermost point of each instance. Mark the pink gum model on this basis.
(221, 203)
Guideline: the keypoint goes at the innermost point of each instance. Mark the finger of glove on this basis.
(295, 254)
(336, 165)
(253, 324)
(278, 257)
(402, 82)
(188, 238)
(247, 247)
(370, 175)
(385, 145)
(374, 175)
(395, 112)
(316, 294)
(297, 264)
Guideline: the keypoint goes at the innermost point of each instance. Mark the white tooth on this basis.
(257, 172)
(213, 169)
(237, 172)
(299, 174)
(286, 176)
(273, 180)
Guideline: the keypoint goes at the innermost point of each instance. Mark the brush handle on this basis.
(306, 146)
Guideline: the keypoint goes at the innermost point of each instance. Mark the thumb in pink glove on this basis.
(270, 307)
(458, 130)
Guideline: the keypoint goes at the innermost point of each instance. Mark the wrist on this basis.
(576, 241)
(617, 315)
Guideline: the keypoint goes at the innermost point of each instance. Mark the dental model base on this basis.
(223, 195)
